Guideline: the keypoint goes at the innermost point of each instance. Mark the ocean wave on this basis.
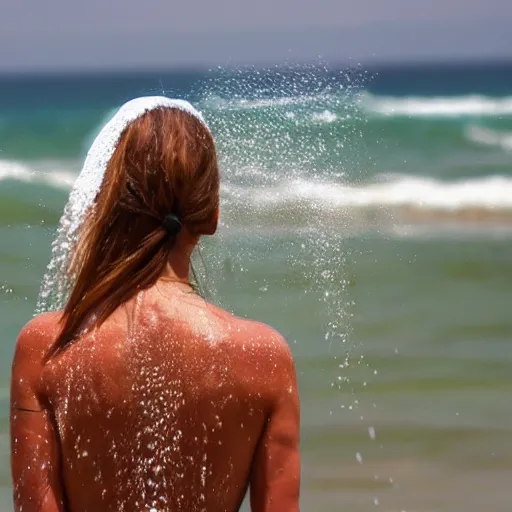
(488, 137)
(455, 106)
(490, 193)
(39, 172)
(400, 198)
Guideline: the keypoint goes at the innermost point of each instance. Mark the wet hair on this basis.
(164, 163)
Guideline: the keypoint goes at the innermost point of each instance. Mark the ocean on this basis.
(367, 215)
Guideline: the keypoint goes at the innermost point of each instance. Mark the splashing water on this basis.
(291, 134)
(267, 149)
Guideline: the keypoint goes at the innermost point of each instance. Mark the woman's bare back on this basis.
(172, 404)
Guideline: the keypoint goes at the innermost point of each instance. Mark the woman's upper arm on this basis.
(275, 474)
(35, 457)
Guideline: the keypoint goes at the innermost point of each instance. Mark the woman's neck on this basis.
(178, 266)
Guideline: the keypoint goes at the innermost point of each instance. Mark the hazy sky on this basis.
(64, 34)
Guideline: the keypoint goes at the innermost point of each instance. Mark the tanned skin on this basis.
(171, 405)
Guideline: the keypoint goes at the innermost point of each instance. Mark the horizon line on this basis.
(364, 64)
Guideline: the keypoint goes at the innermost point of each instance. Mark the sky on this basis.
(60, 35)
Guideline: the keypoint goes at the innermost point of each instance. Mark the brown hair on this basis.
(165, 162)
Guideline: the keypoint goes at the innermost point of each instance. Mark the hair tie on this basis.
(171, 224)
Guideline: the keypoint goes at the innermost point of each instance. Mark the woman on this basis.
(140, 395)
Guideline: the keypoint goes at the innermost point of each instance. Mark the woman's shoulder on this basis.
(32, 345)
(265, 358)
(257, 338)
(37, 335)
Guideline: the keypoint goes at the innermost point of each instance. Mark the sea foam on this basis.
(491, 192)
(39, 172)
(488, 137)
(494, 192)
(455, 106)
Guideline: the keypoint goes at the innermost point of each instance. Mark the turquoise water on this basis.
(367, 216)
